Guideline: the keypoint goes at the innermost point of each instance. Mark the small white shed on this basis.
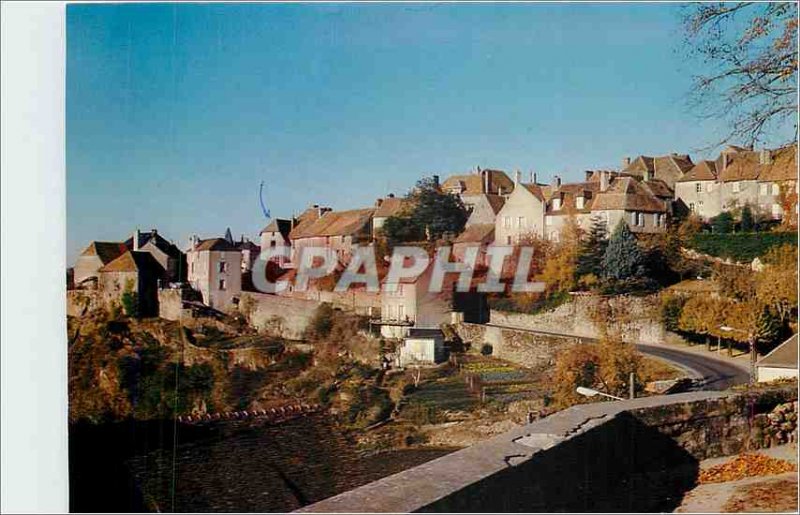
(422, 346)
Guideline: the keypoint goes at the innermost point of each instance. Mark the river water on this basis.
(238, 466)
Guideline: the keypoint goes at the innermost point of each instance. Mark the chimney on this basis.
(486, 182)
(646, 176)
(193, 241)
(378, 202)
(589, 174)
(603, 180)
(626, 162)
(765, 157)
(436, 180)
(478, 170)
(556, 183)
(136, 240)
(724, 160)
(390, 195)
(516, 177)
(534, 179)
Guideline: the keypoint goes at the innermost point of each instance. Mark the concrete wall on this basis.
(620, 456)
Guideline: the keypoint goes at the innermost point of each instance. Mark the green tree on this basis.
(435, 211)
(748, 221)
(130, 300)
(397, 229)
(623, 259)
(722, 223)
(592, 249)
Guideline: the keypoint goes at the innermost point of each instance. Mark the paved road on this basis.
(716, 374)
(711, 373)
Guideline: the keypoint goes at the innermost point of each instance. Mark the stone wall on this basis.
(522, 347)
(359, 302)
(637, 319)
(80, 302)
(639, 455)
(281, 316)
(170, 305)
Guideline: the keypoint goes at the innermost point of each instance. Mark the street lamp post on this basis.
(589, 392)
(751, 341)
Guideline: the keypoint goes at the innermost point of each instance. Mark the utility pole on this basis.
(752, 342)
(631, 386)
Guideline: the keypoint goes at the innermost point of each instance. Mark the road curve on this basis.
(716, 374)
(709, 372)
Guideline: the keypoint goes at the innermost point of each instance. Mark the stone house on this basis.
(483, 193)
(337, 231)
(411, 304)
(386, 207)
(168, 255)
(627, 200)
(250, 252)
(667, 168)
(740, 177)
(276, 234)
(92, 259)
(522, 215)
(134, 271)
(215, 270)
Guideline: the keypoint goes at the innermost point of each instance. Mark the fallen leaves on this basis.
(745, 465)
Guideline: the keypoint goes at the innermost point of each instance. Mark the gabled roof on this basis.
(472, 184)
(535, 189)
(477, 233)
(626, 193)
(496, 202)
(336, 223)
(157, 240)
(783, 166)
(391, 206)
(782, 356)
(702, 171)
(278, 225)
(218, 244)
(742, 166)
(134, 261)
(107, 251)
(667, 168)
(569, 193)
(306, 218)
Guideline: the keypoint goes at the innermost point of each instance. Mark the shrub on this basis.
(486, 349)
(748, 221)
(322, 322)
(722, 223)
(741, 247)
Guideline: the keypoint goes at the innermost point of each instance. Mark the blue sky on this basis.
(176, 113)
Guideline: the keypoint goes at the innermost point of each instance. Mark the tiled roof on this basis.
(133, 261)
(278, 225)
(626, 193)
(783, 166)
(667, 168)
(306, 218)
(156, 239)
(783, 356)
(107, 251)
(568, 193)
(472, 184)
(477, 233)
(496, 202)
(219, 244)
(702, 171)
(391, 206)
(658, 188)
(742, 166)
(336, 223)
(535, 189)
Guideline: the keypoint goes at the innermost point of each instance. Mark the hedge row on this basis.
(741, 247)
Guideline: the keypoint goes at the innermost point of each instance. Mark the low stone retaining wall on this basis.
(272, 415)
(518, 346)
(637, 319)
(636, 455)
(281, 316)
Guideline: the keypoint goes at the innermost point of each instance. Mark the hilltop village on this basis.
(692, 258)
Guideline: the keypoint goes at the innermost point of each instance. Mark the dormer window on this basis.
(579, 202)
(556, 204)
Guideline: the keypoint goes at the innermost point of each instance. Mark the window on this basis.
(764, 188)
(710, 187)
(579, 202)
(554, 235)
(507, 222)
(508, 240)
(556, 204)
(222, 267)
(776, 190)
(222, 284)
(548, 220)
(737, 187)
(401, 312)
(776, 210)
(698, 188)
(656, 219)
(691, 207)
(272, 244)
(520, 221)
(700, 204)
